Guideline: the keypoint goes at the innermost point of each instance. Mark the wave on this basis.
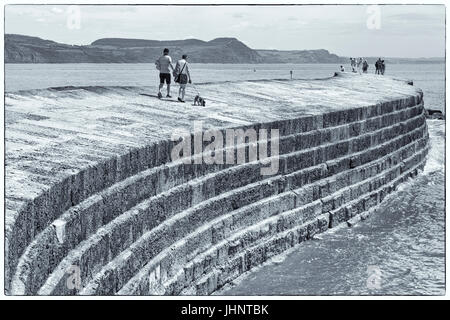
(436, 154)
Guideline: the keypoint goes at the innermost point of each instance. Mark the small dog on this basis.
(199, 101)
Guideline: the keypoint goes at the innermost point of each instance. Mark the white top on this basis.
(180, 65)
(163, 64)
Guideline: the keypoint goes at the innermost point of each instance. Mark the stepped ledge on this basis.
(96, 206)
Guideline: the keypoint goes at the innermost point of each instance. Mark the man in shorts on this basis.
(182, 71)
(164, 65)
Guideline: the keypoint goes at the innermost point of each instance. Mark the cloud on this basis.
(57, 10)
(342, 29)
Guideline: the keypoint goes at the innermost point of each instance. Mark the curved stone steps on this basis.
(101, 235)
(60, 179)
(305, 208)
(101, 208)
(123, 222)
(218, 275)
(179, 196)
(106, 205)
(50, 236)
(215, 273)
(76, 187)
(115, 267)
(73, 186)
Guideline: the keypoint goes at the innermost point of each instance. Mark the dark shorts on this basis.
(183, 78)
(164, 76)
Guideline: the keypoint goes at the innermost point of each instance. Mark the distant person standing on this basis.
(378, 66)
(291, 72)
(352, 64)
(383, 67)
(359, 66)
(164, 64)
(182, 76)
(342, 69)
(365, 66)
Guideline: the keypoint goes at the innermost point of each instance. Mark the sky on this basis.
(409, 31)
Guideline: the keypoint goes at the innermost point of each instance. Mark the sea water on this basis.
(429, 77)
(399, 250)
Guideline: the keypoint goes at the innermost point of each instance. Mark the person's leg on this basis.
(168, 81)
(161, 82)
(183, 91)
(161, 85)
(183, 82)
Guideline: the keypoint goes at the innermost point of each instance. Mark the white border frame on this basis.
(202, 298)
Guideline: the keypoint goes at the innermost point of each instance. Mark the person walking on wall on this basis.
(164, 65)
(182, 76)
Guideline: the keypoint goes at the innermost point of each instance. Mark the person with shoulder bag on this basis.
(182, 76)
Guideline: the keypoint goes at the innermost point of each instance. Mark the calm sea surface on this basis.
(402, 244)
(429, 77)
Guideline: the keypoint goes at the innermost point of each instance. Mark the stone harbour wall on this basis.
(141, 224)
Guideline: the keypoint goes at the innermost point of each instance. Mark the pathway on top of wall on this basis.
(66, 129)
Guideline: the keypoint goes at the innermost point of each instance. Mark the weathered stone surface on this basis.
(96, 188)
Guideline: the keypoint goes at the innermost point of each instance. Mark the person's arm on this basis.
(187, 71)
(170, 65)
(158, 65)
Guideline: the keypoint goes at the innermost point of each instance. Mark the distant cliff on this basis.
(25, 49)
(220, 50)
(323, 56)
(299, 56)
